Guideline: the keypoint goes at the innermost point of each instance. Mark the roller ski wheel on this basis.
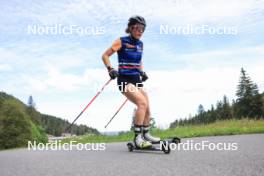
(130, 146)
(165, 150)
(176, 140)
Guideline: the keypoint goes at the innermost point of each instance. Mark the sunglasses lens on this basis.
(140, 28)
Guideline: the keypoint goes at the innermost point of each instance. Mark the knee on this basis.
(147, 111)
(143, 105)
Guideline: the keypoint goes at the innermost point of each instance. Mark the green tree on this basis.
(200, 110)
(226, 109)
(262, 105)
(174, 124)
(31, 102)
(15, 128)
(200, 116)
(212, 114)
(249, 102)
(34, 115)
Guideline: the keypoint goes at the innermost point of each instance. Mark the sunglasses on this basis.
(139, 27)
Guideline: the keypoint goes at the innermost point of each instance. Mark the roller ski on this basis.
(145, 141)
(162, 145)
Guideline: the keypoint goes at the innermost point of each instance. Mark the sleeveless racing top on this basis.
(129, 56)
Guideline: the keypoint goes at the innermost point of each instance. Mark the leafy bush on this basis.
(16, 127)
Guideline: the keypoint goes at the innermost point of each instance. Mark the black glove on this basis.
(112, 72)
(144, 76)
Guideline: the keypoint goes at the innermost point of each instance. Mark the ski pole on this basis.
(116, 113)
(98, 93)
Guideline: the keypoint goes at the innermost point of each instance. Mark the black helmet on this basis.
(136, 19)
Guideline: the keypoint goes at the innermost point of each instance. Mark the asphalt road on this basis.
(248, 159)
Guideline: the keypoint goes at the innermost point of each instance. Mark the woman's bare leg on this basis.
(146, 124)
(136, 97)
(147, 113)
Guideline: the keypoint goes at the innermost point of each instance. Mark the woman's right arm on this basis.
(106, 59)
(114, 48)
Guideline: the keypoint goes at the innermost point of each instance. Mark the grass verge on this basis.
(226, 127)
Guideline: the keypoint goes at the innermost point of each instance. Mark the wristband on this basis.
(109, 68)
